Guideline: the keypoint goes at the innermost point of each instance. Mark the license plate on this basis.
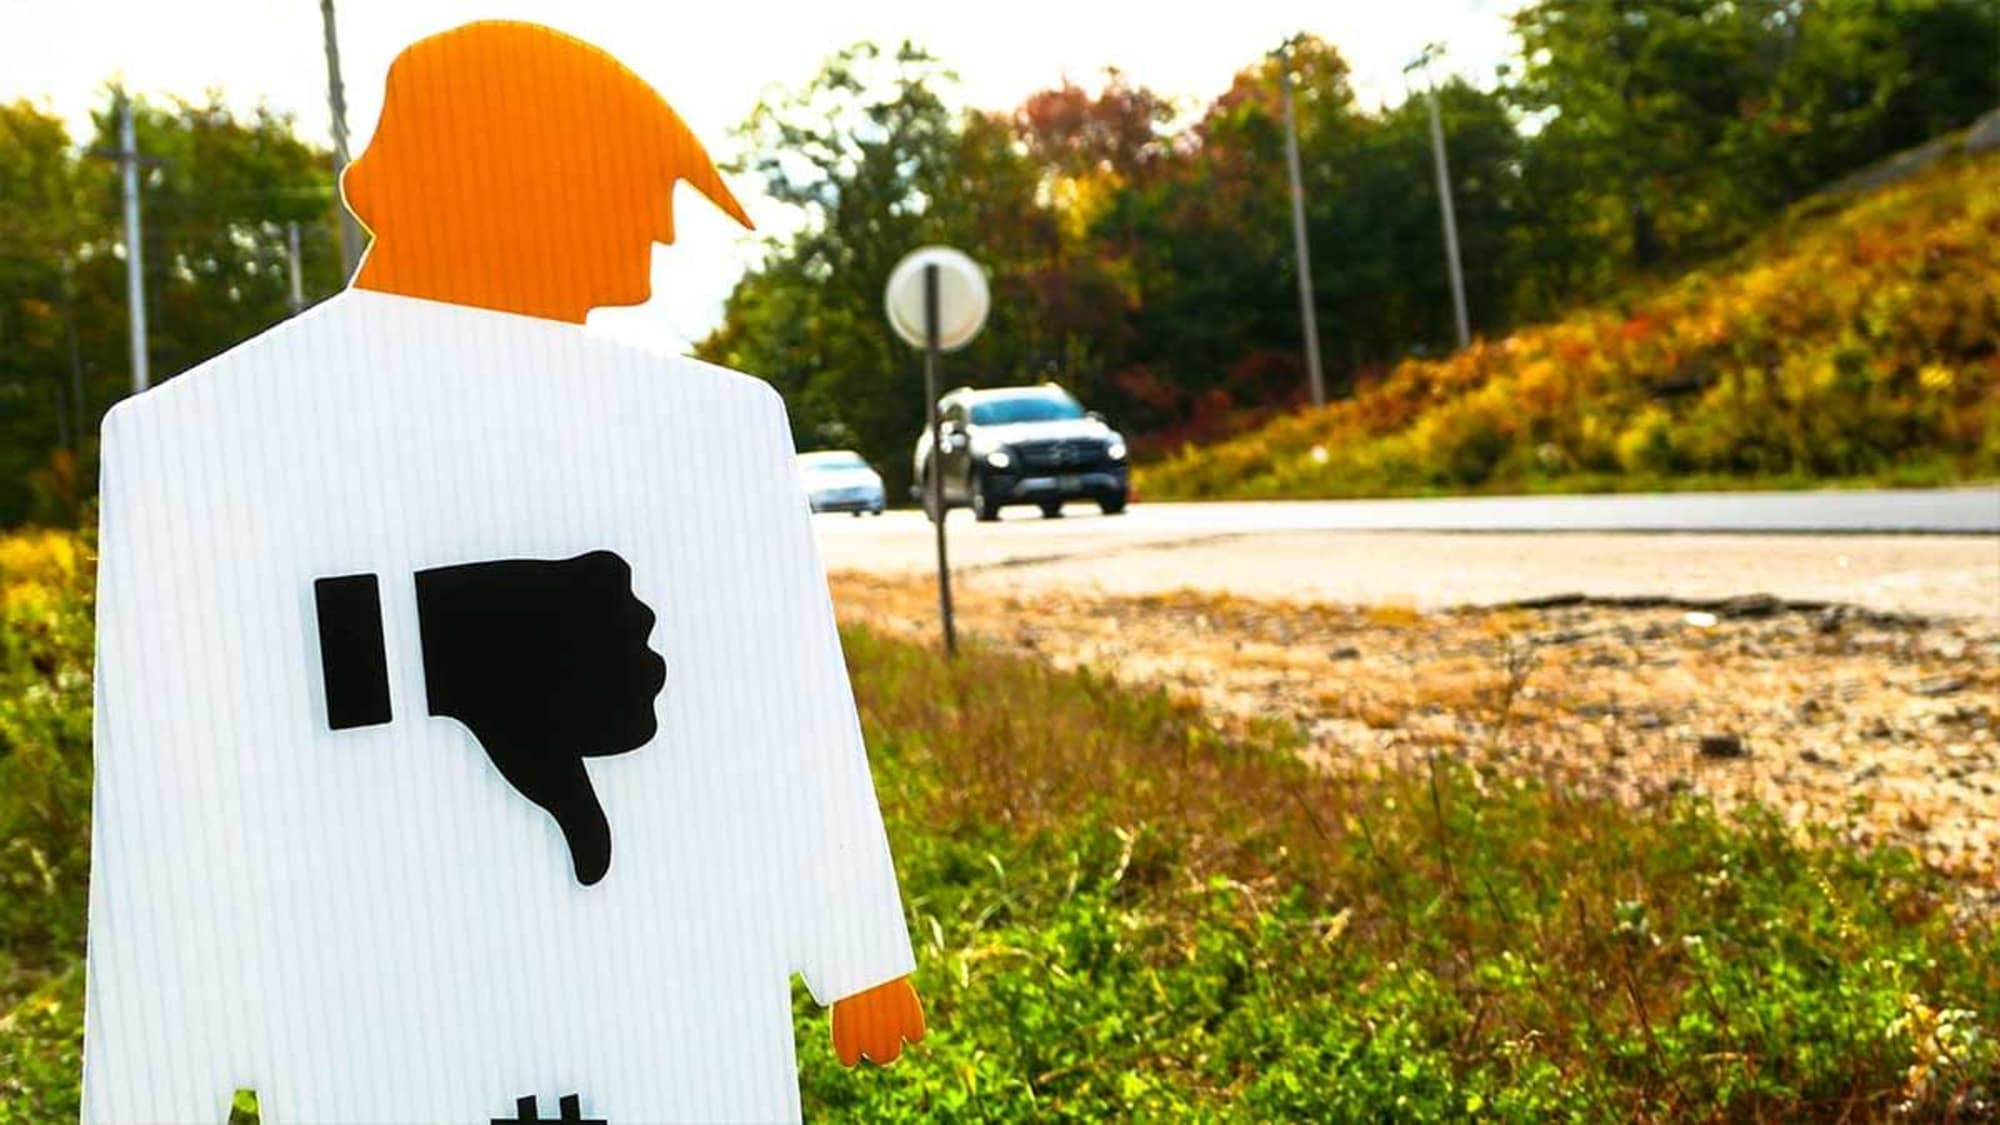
(1070, 484)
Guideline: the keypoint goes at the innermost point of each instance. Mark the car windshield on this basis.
(827, 462)
(1025, 408)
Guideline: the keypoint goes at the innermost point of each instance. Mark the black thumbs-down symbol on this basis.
(546, 663)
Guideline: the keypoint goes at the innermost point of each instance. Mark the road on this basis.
(1854, 547)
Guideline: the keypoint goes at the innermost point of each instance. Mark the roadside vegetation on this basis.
(1858, 340)
(1120, 911)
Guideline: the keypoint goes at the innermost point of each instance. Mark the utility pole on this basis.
(135, 255)
(336, 101)
(1464, 322)
(1306, 315)
(298, 294)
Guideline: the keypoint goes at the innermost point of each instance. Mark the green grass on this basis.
(1119, 911)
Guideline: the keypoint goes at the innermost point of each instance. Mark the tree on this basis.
(43, 229)
(1667, 128)
(879, 165)
(1636, 100)
(1151, 269)
(217, 201)
(1118, 131)
(1863, 79)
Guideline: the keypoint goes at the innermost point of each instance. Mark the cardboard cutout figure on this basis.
(473, 741)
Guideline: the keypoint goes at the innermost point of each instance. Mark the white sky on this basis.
(712, 62)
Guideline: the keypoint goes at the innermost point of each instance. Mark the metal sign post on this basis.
(932, 355)
(937, 300)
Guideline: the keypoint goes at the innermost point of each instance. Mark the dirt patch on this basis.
(1879, 728)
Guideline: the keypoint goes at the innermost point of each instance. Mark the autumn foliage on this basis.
(1858, 338)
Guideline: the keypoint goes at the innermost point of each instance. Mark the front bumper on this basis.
(1037, 484)
(852, 501)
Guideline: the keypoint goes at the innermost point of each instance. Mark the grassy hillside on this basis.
(1858, 340)
(1120, 912)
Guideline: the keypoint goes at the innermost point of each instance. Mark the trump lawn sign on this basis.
(472, 739)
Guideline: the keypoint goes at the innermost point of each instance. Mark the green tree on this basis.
(1860, 80)
(1636, 99)
(44, 230)
(1663, 130)
(878, 164)
(1152, 269)
(218, 194)
(1219, 322)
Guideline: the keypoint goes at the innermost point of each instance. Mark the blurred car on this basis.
(838, 480)
(1023, 445)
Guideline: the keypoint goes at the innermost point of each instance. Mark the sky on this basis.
(713, 62)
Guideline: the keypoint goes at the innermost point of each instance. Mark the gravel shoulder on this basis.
(1872, 726)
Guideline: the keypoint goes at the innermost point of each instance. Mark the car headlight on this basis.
(999, 459)
(1116, 450)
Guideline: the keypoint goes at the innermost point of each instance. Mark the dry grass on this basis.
(1886, 730)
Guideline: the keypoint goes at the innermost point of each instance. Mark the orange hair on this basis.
(519, 169)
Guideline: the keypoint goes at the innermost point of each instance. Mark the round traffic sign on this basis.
(962, 297)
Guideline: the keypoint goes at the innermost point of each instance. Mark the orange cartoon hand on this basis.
(875, 1024)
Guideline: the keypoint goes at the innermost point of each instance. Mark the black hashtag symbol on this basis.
(528, 1112)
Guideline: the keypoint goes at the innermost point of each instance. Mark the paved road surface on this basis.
(1431, 553)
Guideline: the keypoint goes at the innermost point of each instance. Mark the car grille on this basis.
(1073, 453)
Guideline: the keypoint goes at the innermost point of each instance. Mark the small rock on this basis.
(1751, 606)
(1723, 746)
(1869, 773)
(1344, 652)
(1648, 721)
(1700, 618)
(1831, 620)
(1938, 685)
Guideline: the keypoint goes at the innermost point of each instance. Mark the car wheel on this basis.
(1052, 509)
(986, 508)
(1113, 504)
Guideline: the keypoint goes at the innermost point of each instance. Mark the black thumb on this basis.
(561, 785)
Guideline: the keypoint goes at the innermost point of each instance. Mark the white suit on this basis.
(370, 924)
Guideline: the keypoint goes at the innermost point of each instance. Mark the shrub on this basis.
(1856, 341)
